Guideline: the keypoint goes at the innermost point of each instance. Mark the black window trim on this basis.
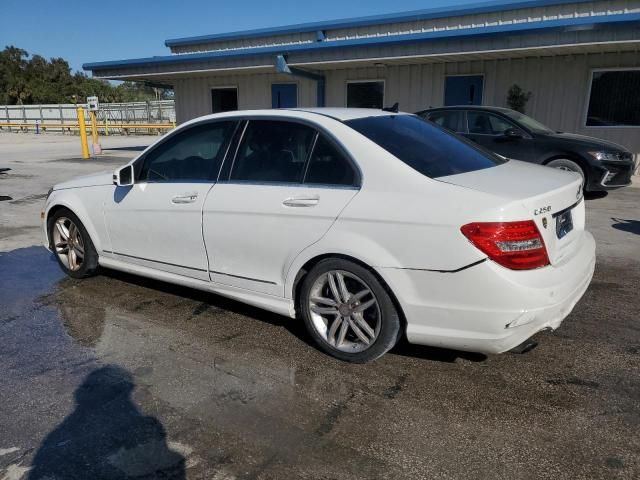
(362, 81)
(585, 116)
(357, 185)
(138, 164)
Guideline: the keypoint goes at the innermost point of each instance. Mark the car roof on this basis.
(469, 107)
(340, 114)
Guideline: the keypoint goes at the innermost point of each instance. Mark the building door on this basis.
(463, 90)
(224, 99)
(284, 95)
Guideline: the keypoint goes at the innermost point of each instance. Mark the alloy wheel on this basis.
(344, 311)
(68, 243)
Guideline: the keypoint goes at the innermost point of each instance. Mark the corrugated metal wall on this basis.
(559, 85)
(193, 95)
(505, 17)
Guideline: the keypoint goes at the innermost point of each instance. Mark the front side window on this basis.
(273, 151)
(614, 99)
(365, 94)
(328, 166)
(484, 123)
(193, 154)
(451, 120)
(429, 149)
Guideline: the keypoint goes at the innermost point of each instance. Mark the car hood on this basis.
(95, 179)
(596, 143)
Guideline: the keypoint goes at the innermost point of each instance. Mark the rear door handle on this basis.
(307, 201)
(185, 198)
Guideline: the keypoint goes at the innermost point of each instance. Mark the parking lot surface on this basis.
(118, 376)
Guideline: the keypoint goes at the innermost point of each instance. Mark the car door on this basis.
(287, 185)
(500, 135)
(157, 222)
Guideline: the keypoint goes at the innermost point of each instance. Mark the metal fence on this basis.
(119, 117)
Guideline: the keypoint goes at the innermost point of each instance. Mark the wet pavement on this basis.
(122, 377)
(119, 377)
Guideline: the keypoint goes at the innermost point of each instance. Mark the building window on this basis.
(614, 99)
(365, 94)
(224, 99)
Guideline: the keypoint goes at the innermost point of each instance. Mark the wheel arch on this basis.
(79, 211)
(574, 158)
(310, 263)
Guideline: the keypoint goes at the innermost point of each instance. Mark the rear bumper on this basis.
(487, 308)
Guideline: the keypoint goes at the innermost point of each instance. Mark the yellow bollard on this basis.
(83, 133)
(106, 126)
(97, 150)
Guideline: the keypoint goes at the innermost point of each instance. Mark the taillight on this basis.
(515, 245)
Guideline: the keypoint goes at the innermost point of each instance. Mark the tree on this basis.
(517, 99)
(25, 80)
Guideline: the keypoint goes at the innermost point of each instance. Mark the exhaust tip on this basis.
(524, 347)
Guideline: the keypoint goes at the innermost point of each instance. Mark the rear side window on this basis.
(328, 166)
(193, 154)
(430, 150)
(487, 123)
(451, 120)
(273, 151)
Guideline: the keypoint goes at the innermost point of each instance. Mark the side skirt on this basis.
(280, 305)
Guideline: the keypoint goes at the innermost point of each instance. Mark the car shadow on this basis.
(217, 301)
(629, 226)
(107, 436)
(294, 327)
(595, 195)
(435, 354)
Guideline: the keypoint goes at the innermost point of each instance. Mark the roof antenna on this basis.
(393, 109)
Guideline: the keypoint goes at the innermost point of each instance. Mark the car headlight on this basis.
(48, 194)
(608, 156)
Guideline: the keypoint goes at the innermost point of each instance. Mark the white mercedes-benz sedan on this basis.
(365, 224)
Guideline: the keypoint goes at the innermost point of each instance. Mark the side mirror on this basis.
(512, 133)
(123, 177)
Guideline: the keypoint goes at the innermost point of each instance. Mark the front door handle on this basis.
(185, 198)
(306, 201)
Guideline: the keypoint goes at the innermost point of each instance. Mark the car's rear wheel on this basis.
(72, 245)
(569, 166)
(348, 312)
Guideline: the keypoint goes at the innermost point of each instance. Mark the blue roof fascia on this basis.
(415, 15)
(519, 28)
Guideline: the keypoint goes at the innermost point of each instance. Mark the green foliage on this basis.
(35, 80)
(517, 98)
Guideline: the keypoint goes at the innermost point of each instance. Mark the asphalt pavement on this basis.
(122, 377)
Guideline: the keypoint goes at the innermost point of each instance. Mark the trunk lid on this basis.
(534, 192)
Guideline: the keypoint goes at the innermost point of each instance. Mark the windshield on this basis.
(528, 122)
(427, 148)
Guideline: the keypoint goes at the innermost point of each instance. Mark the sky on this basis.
(91, 31)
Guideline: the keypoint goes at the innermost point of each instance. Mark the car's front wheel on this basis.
(348, 312)
(72, 245)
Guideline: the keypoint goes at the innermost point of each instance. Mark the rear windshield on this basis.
(427, 148)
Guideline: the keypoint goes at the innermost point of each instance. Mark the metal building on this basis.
(580, 59)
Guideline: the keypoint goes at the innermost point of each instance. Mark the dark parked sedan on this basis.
(603, 165)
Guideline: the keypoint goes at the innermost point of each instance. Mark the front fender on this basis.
(87, 205)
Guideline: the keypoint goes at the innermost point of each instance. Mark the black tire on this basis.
(389, 331)
(570, 165)
(89, 265)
